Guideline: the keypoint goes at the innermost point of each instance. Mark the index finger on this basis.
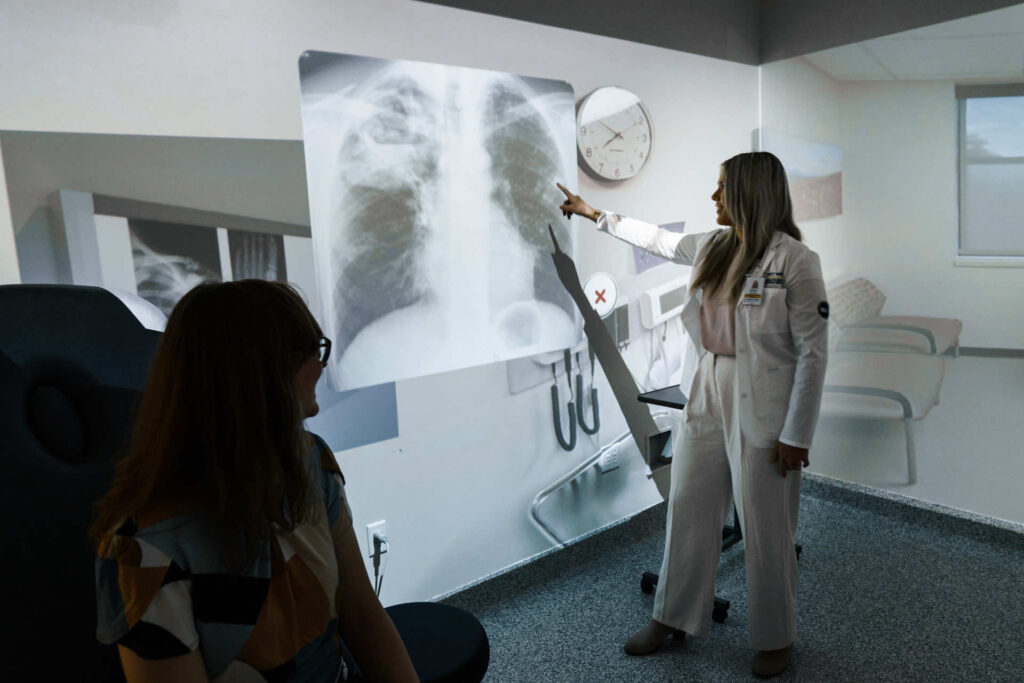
(568, 195)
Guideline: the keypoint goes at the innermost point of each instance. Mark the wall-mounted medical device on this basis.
(617, 323)
(662, 302)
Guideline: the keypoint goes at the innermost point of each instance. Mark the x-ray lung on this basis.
(431, 188)
(170, 259)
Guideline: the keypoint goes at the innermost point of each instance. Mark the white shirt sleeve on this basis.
(676, 247)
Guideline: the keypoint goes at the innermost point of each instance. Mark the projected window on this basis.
(991, 171)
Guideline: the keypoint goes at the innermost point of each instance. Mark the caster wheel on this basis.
(719, 615)
(648, 582)
(799, 548)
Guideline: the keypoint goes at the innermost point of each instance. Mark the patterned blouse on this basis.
(163, 591)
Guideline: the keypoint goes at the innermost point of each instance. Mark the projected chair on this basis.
(856, 305)
(72, 362)
(882, 386)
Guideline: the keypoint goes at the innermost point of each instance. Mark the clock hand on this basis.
(615, 134)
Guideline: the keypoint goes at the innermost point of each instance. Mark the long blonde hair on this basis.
(757, 198)
(220, 421)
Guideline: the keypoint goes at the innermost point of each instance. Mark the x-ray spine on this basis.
(431, 188)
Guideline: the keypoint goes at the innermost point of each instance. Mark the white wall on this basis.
(799, 99)
(455, 486)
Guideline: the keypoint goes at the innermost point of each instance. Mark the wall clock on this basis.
(614, 134)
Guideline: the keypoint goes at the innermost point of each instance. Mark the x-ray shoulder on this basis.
(427, 202)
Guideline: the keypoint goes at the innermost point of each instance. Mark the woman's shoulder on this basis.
(797, 254)
(792, 246)
(325, 456)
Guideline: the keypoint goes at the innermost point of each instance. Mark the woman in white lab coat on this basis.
(758, 315)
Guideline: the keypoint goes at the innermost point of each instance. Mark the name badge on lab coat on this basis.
(753, 291)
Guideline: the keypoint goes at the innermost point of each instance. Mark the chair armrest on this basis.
(893, 326)
(908, 412)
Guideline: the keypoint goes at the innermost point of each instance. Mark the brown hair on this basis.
(756, 196)
(220, 423)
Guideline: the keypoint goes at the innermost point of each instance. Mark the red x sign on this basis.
(602, 291)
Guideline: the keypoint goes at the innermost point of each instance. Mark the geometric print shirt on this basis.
(162, 591)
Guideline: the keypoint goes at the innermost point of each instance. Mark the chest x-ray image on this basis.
(431, 189)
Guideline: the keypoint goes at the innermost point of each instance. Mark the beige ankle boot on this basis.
(768, 663)
(650, 638)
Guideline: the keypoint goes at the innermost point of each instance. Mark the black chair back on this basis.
(73, 361)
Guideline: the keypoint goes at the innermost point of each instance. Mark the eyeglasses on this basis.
(324, 350)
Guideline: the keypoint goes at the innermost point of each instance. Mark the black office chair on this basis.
(73, 361)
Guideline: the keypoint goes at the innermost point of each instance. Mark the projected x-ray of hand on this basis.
(430, 192)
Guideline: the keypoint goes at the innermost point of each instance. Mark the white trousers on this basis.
(712, 465)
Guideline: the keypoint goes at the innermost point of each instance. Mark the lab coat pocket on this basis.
(772, 316)
(771, 395)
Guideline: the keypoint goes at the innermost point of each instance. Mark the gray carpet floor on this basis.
(890, 590)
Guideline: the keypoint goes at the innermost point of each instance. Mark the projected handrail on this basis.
(898, 326)
(538, 500)
(908, 411)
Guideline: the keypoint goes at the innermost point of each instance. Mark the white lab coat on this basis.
(738, 408)
(781, 345)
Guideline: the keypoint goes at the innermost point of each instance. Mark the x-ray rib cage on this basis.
(431, 188)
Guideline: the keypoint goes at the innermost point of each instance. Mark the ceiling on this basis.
(984, 47)
(758, 31)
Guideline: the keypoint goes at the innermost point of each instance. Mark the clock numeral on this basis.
(641, 155)
(600, 167)
(632, 168)
(644, 138)
(588, 152)
(616, 173)
(583, 130)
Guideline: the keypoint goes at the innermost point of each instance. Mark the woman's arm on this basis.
(807, 310)
(365, 627)
(674, 246)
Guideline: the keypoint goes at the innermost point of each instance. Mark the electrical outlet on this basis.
(379, 528)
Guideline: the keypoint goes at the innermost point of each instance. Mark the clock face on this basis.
(614, 135)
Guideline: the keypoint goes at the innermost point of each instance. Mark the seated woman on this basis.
(226, 548)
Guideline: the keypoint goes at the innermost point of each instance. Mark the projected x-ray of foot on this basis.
(430, 190)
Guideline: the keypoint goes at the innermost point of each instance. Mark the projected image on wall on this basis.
(257, 255)
(171, 259)
(431, 188)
